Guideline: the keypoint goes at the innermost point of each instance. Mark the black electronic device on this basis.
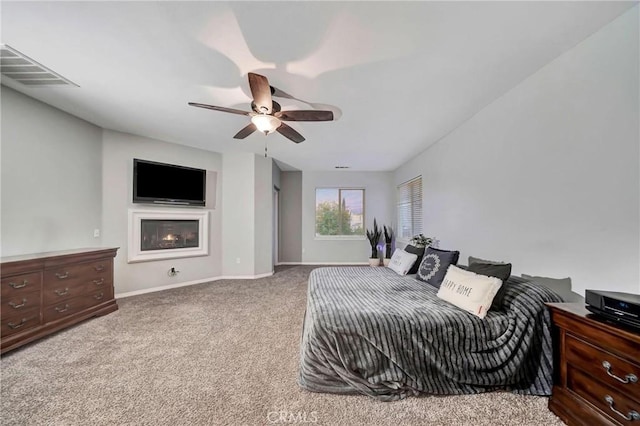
(162, 183)
(623, 308)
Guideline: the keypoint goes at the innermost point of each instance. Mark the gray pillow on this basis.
(562, 286)
(434, 265)
(478, 260)
(418, 251)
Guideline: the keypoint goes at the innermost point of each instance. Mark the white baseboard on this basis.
(188, 283)
(245, 277)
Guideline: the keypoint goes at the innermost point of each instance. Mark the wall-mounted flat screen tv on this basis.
(162, 183)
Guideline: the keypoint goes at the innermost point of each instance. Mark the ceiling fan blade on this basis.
(289, 133)
(261, 92)
(278, 93)
(246, 131)
(305, 115)
(217, 108)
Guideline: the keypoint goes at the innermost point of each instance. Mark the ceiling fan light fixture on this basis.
(266, 123)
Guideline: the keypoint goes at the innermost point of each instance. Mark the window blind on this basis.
(410, 208)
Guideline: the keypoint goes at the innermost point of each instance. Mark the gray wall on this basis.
(547, 176)
(238, 201)
(119, 150)
(263, 215)
(379, 199)
(276, 174)
(247, 205)
(290, 247)
(51, 178)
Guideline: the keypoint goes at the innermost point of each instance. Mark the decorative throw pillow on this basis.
(434, 265)
(561, 286)
(418, 251)
(401, 261)
(469, 291)
(478, 260)
(489, 268)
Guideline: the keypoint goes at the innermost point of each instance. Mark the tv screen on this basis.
(168, 184)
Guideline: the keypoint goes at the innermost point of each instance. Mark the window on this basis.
(339, 212)
(410, 209)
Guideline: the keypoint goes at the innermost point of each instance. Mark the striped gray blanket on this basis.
(370, 331)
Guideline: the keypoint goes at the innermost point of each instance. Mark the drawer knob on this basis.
(99, 282)
(98, 296)
(62, 276)
(631, 416)
(19, 285)
(62, 292)
(14, 305)
(99, 268)
(629, 378)
(13, 326)
(61, 310)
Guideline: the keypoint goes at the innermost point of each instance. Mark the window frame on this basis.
(340, 237)
(410, 202)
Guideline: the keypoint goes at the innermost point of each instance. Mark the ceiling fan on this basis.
(267, 115)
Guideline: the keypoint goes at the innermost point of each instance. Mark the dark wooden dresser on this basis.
(597, 369)
(46, 292)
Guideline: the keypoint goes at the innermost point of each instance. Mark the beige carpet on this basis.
(223, 353)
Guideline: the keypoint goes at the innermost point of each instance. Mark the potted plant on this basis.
(421, 241)
(388, 239)
(374, 237)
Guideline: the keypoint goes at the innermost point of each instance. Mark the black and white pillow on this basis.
(494, 269)
(418, 251)
(434, 265)
(401, 261)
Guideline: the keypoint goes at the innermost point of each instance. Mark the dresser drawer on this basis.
(605, 398)
(54, 294)
(16, 304)
(20, 284)
(20, 322)
(603, 366)
(77, 275)
(76, 304)
(601, 335)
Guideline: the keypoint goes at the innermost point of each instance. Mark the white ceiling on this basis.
(402, 74)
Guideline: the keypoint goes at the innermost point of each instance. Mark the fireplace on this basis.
(167, 234)
(163, 234)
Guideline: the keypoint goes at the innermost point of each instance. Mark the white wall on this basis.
(51, 173)
(119, 150)
(379, 203)
(547, 176)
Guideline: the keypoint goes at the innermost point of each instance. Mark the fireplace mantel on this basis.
(157, 234)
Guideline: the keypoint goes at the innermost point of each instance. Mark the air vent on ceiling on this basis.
(25, 70)
(342, 167)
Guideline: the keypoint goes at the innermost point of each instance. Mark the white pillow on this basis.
(401, 261)
(469, 291)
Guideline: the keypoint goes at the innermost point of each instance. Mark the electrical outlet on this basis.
(96, 233)
(237, 260)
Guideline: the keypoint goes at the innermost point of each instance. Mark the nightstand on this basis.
(596, 369)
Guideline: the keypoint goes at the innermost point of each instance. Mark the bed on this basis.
(370, 331)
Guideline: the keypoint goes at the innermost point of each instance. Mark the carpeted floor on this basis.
(222, 353)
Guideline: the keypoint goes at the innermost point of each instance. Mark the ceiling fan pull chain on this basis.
(265, 148)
